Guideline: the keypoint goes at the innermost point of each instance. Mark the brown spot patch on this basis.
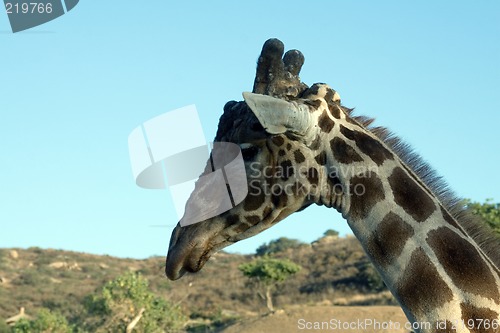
(478, 317)
(253, 219)
(312, 91)
(281, 152)
(299, 157)
(422, 184)
(365, 192)
(315, 104)
(420, 288)
(368, 145)
(343, 152)
(410, 196)
(239, 228)
(232, 219)
(321, 158)
(329, 94)
(325, 123)
(280, 199)
(463, 263)
(287, 170)
(388, 240)
(288, 146)
(254, 199)
(278, 140)
(313, 176)
(316, 143)
(334, 110)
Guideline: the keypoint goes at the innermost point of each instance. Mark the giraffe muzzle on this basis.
(191, 247)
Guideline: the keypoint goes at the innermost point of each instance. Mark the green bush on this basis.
(269, 272)
(369, 277)
(488, 211)
(277, 245)
(122, 299)
(45, 321)
(331, 232)
(30, 277)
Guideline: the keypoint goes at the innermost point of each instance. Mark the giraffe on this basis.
(301, 146)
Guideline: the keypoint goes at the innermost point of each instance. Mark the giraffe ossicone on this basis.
(438, 261)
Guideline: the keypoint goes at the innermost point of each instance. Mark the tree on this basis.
(277, 245)
(488, 211)
(46, 321)
(126, 303)
(331, 232)
(269, 272)
(369, 277)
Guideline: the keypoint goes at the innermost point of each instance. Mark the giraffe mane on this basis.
(473, 225)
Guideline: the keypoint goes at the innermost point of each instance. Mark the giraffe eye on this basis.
(257, 127)
(249, 151)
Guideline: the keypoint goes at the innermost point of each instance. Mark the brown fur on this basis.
(299, 157)
(372, 192)
(451, 249)
(478, 316)
(388, 241)
(321, 158)
(410, 196)
(325, 123)
(429, 291)
(368, 145)
(343, 152)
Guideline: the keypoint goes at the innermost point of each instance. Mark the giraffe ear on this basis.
(279, 116)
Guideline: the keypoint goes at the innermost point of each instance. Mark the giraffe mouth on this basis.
(178, 264)
(188, 261)
(192, 246)
(188, 253)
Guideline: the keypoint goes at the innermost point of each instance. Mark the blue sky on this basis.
(73, 89)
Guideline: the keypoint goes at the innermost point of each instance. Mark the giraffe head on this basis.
(282, 139)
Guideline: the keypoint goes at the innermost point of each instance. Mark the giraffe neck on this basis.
(434, 269)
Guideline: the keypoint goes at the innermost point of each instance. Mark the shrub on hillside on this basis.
(269, 272)
(278, 245)
(488, 211)
(331, 232)
(369, 277)
(45, 321)
(128, 298)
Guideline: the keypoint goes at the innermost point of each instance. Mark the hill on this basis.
(335, 271)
